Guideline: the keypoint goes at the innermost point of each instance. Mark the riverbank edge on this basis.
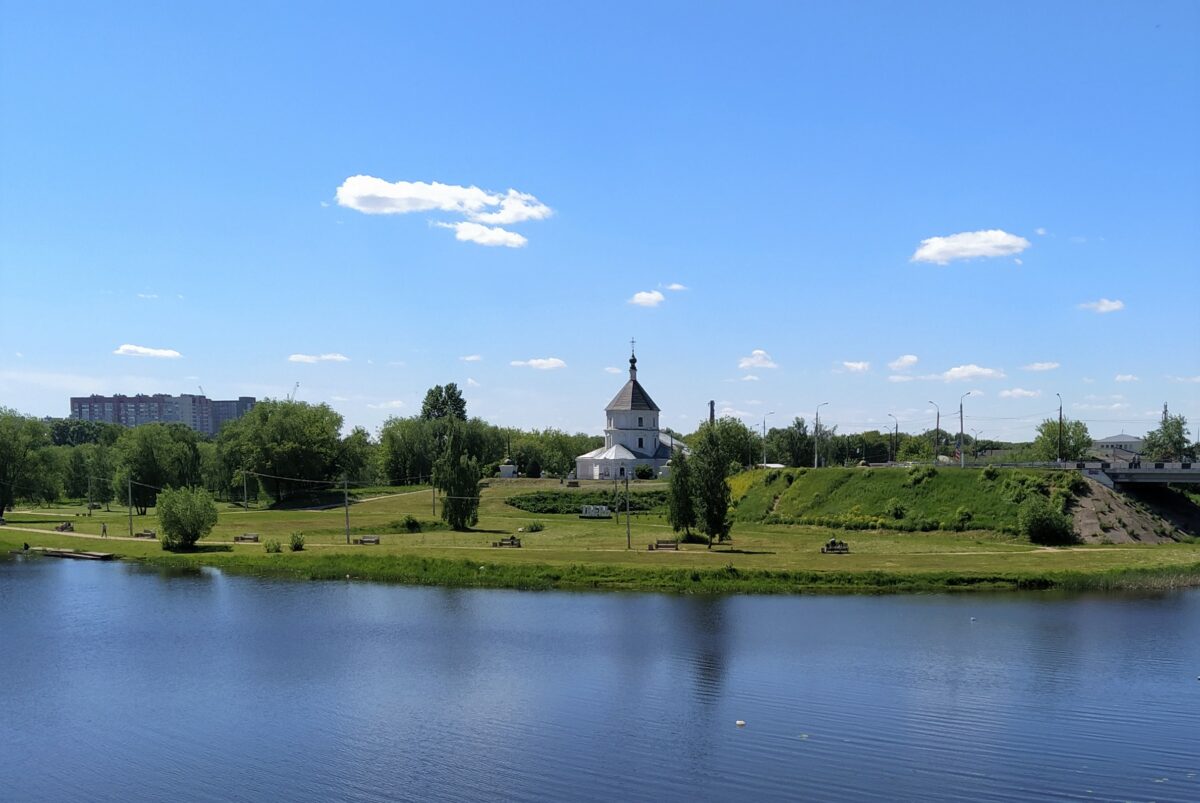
(419, 570)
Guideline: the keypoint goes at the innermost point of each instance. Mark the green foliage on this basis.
(1041, 524)
(712, 491)
(681, 503)
(989, 474)
(411, 524)
(444, 402)
(153, 456)
(20, 439)
(1075, 440)
(284, 439)
(570, 502)
(643, 472)
(272, 546)
(962, 518)
(895, 508)
(1169, 441)
(918, 475)
(457, 475)
(76, 432)
(297, 542)
(185, 515)
(534, 526)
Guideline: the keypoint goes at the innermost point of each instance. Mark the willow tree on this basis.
(456, 474)
(681, 503)
(712, 491)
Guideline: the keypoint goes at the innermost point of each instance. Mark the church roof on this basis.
(632, 397)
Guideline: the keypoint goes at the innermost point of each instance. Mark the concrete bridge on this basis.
(1141, 473)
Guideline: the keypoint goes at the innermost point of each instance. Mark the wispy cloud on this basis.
(540, 363)
(130, 350)
(675, 287)
(147, 296)
(471, 383)
(1040, 231)
(1040, 366)
(394, 404)
(311, 358)
(749, 378)
(757, 359)
(1125, 378)
(962, 373)
(903, 362)
(969, 245)
(483, 211)
(1170, 378)
(1103, 305)
(647, 298)
(1091, 406)
(612, 370)
(860, 367)
(1020, 393)
(901, 378)
(472, 358)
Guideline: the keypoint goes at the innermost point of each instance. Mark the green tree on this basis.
(457, 475)
(681, 503)
(408, 449)
(186, 515)
(102, 466)
(20, 439)
(78, 471)
(444, 402)
(49, 476)
(790, 445)
(1169, 441)
(356, 455)
(712, 490)
(293, 440)
(1075, 440)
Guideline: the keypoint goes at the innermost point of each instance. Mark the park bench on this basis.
(661, 544)
(146, 534)
(65, 527)
(512, 541)
(572, 483)
(367, 539)
(248, 538)
(835, 547)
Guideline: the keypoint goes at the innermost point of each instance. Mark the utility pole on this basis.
(817, 434)
(975, 446)
(937, 431)
(245, 491)
(89, 495)
(628, 535)
(433, 497)
(962, 455)
(1060, 428)
(346, 503)
(895, 439)
(129, 480)
(765, 436)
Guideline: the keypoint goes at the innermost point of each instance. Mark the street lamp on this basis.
(1060, 431)
(962, 456)
(895, 438)
(937, 431)
(817, 433)
(765, 436)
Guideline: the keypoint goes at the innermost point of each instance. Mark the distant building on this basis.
(631, 438)
(1114, 445)
(201, 413)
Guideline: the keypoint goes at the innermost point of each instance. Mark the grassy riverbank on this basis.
(571, 553)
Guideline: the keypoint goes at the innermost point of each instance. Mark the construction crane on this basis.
(201, 389)
(292, 395)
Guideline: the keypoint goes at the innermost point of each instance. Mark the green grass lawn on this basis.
(575, 553)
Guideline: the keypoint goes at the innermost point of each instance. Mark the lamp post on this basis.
(895, 439)
(817, 434)
(1060, 429)
(937, 431)
(975, 448)
(765, 435)
(962, 456)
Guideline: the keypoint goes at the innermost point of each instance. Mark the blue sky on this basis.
(991, 190)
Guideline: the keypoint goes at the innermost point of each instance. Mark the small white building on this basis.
(1115, 444)
(631, 436)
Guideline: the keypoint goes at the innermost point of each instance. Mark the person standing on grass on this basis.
(104, 529)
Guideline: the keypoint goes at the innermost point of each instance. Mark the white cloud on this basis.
(129, 350)
(540, 363)
(147, 296)
(19, 355)
(610, 369)
(968, 245)
(339, 398)
(1113, 406)
(1040, 366)
(1193, 379)
(468, 232)
(471, 383)
(860, 367)
(900, 378)
(970, 371)
(1018, 261)
(675, 286)
(1040, 231)
(647, 298)
(749, 378)
(311, 358)
(1020, 393)
(903, 362)
(757, 359)
(472, 358)
(483, 211)
(1103, 305)
(394, 404)
(1126, 378)
(1088, 380)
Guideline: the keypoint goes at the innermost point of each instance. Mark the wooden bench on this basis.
(367, 540)
(835, 547)
(146, 534)
(246, 538)
(572, 483)
(512, 541)
(65, 527)
(660, 544)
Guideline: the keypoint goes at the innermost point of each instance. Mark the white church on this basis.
(631, 437)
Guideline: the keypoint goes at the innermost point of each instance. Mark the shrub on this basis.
(989, 474)
(789, 479)
(272, 545)
(772, 475)
(643, 472)
(918, 475)
(534, 526)
(533, 470)
(186, 516)
(411, 524)
(1041, 524)
(962, 517)
(895, 508)
(297, 542)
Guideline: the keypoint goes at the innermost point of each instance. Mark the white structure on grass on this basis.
(631, 437)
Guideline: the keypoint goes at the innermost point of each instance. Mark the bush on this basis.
(963, 517)
(533, 470)
(772, 475)
(1041, 524)
(186, 515)
(411, 524)
(271, 545)
(989, 473)
(918, 475)
(789, 478)
(534, 526)
(297, 542)
(895, 508)
(644, 472)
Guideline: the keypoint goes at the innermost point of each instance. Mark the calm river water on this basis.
(121, 683)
